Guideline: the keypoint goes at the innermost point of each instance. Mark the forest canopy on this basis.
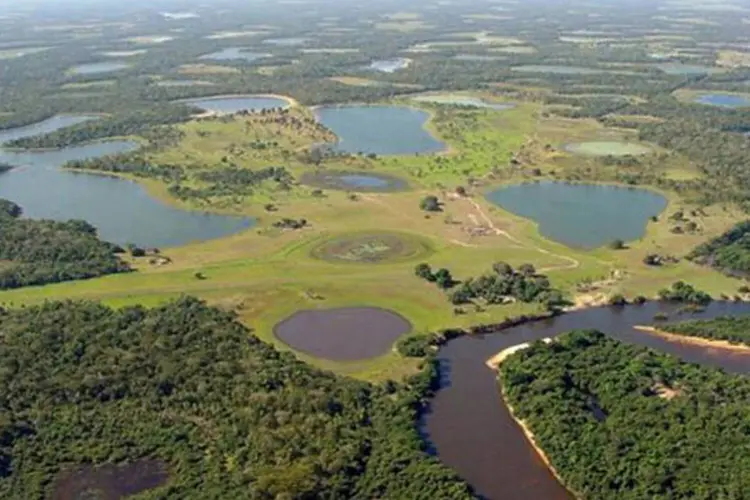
(621, 421)
(729, 252)
(187, 385)
(38, 252)
(734, 329)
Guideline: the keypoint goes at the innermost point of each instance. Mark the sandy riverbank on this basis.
(698, 341)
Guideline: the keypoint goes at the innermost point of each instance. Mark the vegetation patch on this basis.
(732, 329)
(359, 181)
(729, 252)
(206, 69)
(597, 409)
(372, 248)
(607, 148)
(343, 334)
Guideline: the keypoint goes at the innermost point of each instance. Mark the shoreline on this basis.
(494, 363)
(724, 345)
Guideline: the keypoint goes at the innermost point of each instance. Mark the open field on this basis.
(266, 274)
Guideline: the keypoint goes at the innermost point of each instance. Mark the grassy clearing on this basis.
(89, 85)
(20, 52)
(402, 26)
(206, 69)
(367, 82)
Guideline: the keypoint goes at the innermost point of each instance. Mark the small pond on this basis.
(110, 481)
(582, 216)
(724, 100)
(354, 181)
(383, 130)
(390, 65)
(459, 100)
(234, 104)
(95, 68)
(233, 54)
(343, 334)
(121, 210)
(606, 148)
(44, 127)
(484, 445)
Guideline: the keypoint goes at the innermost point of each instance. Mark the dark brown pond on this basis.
(469, 427)
(343, 334)
(110, 481)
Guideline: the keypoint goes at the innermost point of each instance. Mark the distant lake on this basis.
(95, 68)
(724, 100)
(234, 104)
(685, 69)
(121, 210)
(233, 54)
(286, 42)
(384, 130)
(583, 216)
(390, 65)
(459, 100)
(44, 127)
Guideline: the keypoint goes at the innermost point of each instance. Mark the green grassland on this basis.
(266, 274)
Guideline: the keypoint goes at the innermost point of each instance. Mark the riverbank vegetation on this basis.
(729, 252)
(39, 252)
(259, 422)
(735, 330)
(620, 421)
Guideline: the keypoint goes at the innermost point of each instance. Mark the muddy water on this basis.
(469, 426)
(343, 334)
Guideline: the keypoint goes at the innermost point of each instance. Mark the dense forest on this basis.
(734, 329)
(187, 385)
(38, 252)
(621, 421)
(729, 252)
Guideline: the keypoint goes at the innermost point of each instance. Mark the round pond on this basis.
(383, 130)
(372, 248)
(606, 148)
(724, 100)
(583, 216)
(364, 182)
(343, 334)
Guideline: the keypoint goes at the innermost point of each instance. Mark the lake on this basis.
(383, 130)
(469, 427)
(234, 104)
(121, 210)
(584, 216)
(724, 100)
(44, 127)
(233, 54)
(458, 100)
(95, 68)
(390, 65)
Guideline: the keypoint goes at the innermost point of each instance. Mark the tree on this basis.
(502, 268)
(527, 270)
(444, 279)
(617, 244)
(430, 204)
(460, 191)
(618, 299)
(424, 271)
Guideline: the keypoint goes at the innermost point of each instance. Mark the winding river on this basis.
(469, 427)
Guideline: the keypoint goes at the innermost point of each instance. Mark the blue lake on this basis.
(121, 210)
(44, 127)
(383, 130)
(233, 54)
(96, 68)
(582, 215)
(234, 104)
(724, 100)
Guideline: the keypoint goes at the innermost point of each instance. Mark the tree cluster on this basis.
(729, 252)
(621, 421)
(727, 328)
(684, 293)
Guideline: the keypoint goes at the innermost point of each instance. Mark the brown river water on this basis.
(469, 427)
